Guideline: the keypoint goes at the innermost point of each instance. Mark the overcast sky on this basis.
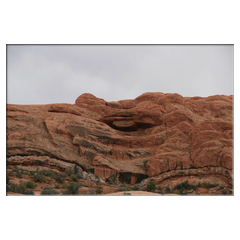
(43, 74)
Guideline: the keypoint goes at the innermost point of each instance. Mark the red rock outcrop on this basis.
(156, 135)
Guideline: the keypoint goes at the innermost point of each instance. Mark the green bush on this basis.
(38, 178)
(49, 191)
(14, 187)
(75, 169)
(69, 171)
(29, 185)
(73, 177)
(72, 188)
(57, 186)
(98, 191)
(209, 185)
(126, 193)
(15, 169)
(47, 173)
(29, 192)
(184, 186)
(112, 179)
(59, 179)
(136, 188)
(167, 189)
(151, 186)
(145, 162)
(19, 175)
(21, 188)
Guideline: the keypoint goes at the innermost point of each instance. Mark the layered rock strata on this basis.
(155, 136)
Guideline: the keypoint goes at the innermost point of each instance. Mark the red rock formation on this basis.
(155, 135)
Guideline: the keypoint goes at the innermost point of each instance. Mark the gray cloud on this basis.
(41, 74)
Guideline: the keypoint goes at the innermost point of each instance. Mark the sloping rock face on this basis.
(155, 136)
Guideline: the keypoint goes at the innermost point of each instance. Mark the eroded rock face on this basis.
(152, 135)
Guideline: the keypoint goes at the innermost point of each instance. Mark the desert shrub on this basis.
(72, 188)
(15, 169)
(28, 192)
(112, 179)
(167, 189)
(221, 187)
(128, 194)
(224, 191)
(151, 186)
(19, 175)
(22, 188)
(69, 171)
(73, 177)
(29, 185)
(38, 178)
(49, 191)
(8, 179)
(57, 186)
(184, 186)
(98, 191)
(59, 179)
(32, 173)
(75, 169)
(145, 162)
(136, 188)
(14, 187)
(209, 185)
(47, 173)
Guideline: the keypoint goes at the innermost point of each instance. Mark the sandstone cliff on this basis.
(157, 136)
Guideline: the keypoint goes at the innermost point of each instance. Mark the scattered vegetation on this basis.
(19, 175)
(29, 185)
(73, 177)
(57, 186)
(127, 194)
(167, 189)
(59, 178)
(69, 172)
(151, 186)
(72, 188)
(145, 162)
(98, 191)
(124, 187)
(75, 169)
(209, 185)
(29, 192)
(21, 188)
(136, 188)
(15, 169)
(224, 192)
(112, 179)
(48, 173)
(184, 186)
(38, 178)
(49, 191)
